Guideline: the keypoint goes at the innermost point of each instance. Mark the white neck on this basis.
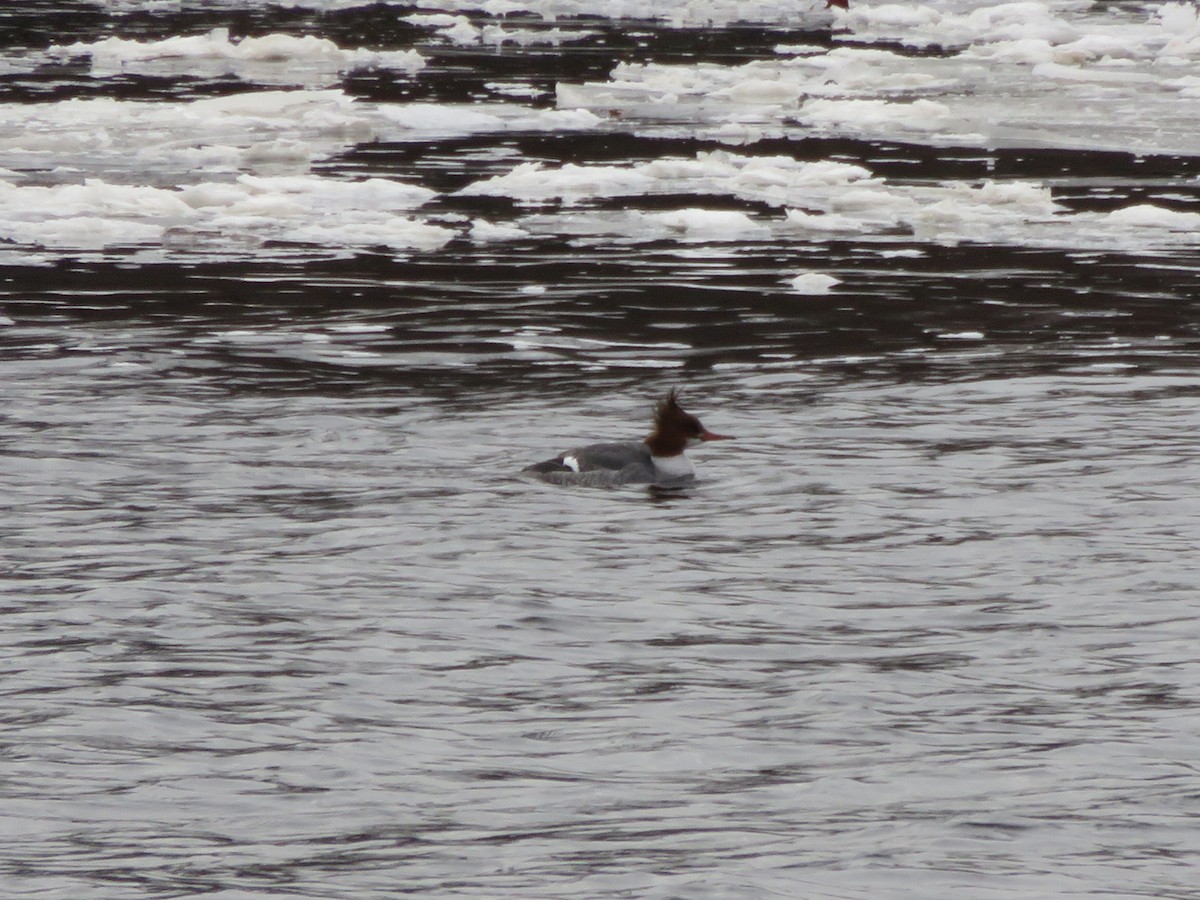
(677, 466)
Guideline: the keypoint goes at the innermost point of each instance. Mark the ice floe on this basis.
(234, 172)
(266, 132)
(1043, 74)
(224, 217)
(813, 283)
(818, 200)
(272, 58)
(677, 13)
(406, 121)
(262, 130)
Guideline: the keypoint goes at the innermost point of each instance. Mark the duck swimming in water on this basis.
(659, 459)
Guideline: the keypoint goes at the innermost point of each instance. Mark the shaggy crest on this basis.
(672, 427)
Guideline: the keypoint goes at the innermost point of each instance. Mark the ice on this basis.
(358, 328)
(1147, 215)
(1069, 75)
(461, 31)
(267, 132)
(514, 90)
(830, 222)
(1027, 51)
(777, 180)
(922, 25)
(678, 13)
(813, 283)
(707, 224)
(421, 121)
(814, 201)
(177, 139)
(531, 182)
(272, 58)
(1062, 72)
(874, 116)
(234, 216)
(329, 195)
(817, 91)
(394, 232)
(497, 35)
(235, 172)
(81, 232)
(484, 231)
(962, 336)
(819, 200)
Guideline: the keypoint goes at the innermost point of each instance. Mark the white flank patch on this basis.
(670, 467)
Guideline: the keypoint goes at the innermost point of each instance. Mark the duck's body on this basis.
(659, 459)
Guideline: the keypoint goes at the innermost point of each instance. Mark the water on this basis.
(281, 619)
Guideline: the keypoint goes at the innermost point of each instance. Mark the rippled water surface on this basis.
(280, 618)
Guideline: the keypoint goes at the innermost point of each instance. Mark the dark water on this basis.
(279, 619)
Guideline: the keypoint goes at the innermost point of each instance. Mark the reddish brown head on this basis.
(675, 429)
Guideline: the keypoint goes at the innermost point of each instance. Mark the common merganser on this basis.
(659, 459)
